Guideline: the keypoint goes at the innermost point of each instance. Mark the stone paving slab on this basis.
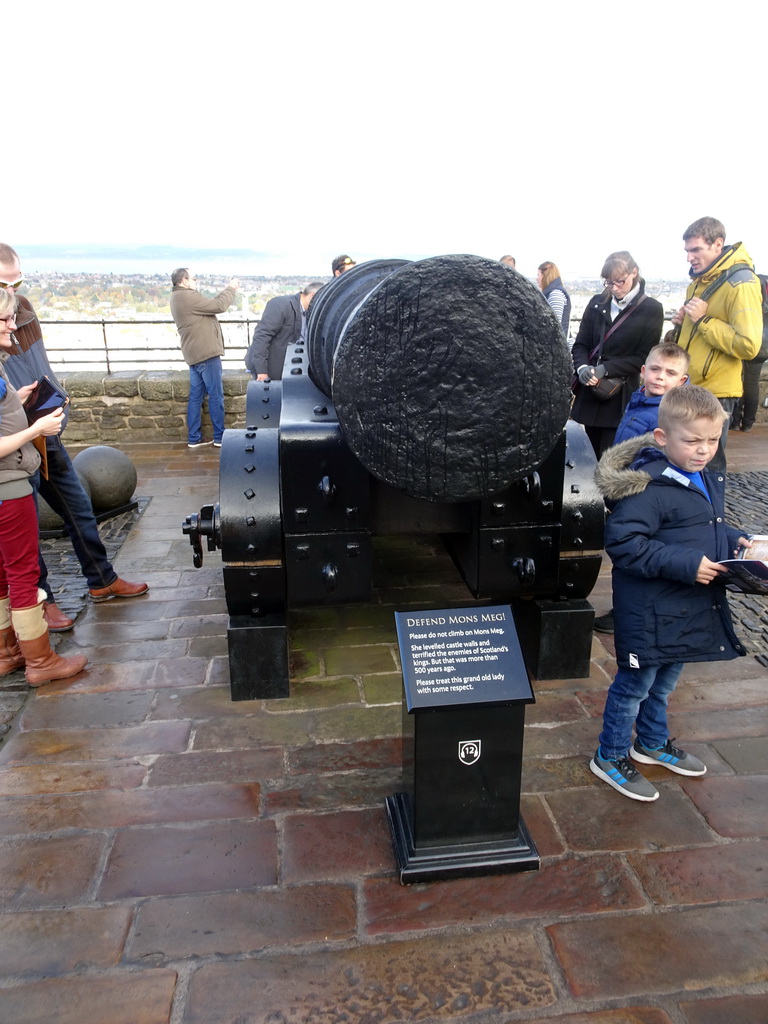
(113, 809)
(49, 871)
(70, 711)
(732, 871)
(28, 780)
(96, 744)
(729, 1010)
(733, 807)
(45, 942)
(328, 792)
(224, 924)
(681, 951)
(746, 755)
(342, 845)
(122, 998)
(596, 818)
(163, 861)
(198, 767)
(434, 979)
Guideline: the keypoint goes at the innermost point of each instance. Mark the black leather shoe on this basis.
(604, 623)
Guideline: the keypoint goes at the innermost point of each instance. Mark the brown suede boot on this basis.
(42, 663)
(11, 657)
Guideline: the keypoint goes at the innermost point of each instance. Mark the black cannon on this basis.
(427, 397)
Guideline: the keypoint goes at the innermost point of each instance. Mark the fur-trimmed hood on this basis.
(619, 472)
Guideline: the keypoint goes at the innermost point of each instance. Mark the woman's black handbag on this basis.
(607, 387)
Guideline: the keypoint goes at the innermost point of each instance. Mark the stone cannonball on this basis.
(50, 520)
(110, 474)
(47, 518)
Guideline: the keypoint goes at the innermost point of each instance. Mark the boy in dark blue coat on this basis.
(665, 535)
(666, 366)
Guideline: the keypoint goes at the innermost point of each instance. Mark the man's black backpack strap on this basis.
(739, 271)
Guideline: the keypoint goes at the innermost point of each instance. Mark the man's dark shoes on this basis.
(118, 588)
(604, 623)
(55, 618)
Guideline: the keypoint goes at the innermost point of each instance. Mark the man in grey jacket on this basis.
(202, 345)
(281, 324)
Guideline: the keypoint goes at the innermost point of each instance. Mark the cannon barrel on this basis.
(449, 376)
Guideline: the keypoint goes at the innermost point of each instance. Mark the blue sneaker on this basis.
(624, 777)
(670, 757)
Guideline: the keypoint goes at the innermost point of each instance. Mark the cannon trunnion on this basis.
(426, 398)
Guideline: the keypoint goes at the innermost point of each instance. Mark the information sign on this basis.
(461, 656)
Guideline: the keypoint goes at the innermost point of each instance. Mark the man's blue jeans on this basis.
(205, 378)
(64, 493)
(638, 696)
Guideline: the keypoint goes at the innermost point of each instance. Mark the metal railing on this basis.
(130, 355)
(98, 346)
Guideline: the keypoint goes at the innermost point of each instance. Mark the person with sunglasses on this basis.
(24, 640)
(618, 330)
(340, 264)
(62, 490)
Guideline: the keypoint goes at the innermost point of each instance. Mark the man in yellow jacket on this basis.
(727, 327)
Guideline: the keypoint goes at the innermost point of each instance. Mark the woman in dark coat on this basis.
(618, 330)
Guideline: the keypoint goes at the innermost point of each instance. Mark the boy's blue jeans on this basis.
(638, 696)
(205, 378)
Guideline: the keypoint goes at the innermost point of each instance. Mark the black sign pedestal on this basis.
(556, 637)
(466, 688)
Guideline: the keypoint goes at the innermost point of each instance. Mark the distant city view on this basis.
(134, 285)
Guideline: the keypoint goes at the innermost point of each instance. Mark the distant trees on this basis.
(110, 296)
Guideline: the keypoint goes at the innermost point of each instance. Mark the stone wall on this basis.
(141, 406)
(144, 406)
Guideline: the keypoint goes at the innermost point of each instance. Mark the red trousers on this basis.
(19, 545)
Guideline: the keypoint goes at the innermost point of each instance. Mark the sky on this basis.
(551, 131)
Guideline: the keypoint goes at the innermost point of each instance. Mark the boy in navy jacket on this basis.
(665, 535)
(666, 366)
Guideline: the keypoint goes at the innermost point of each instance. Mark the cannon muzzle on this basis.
(450, 376)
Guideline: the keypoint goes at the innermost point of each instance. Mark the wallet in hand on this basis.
(46, 398)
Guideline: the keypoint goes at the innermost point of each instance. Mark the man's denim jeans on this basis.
(638, 696)
(205, 378)
(64, 493)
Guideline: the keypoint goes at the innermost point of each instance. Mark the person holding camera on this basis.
(618, 330)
